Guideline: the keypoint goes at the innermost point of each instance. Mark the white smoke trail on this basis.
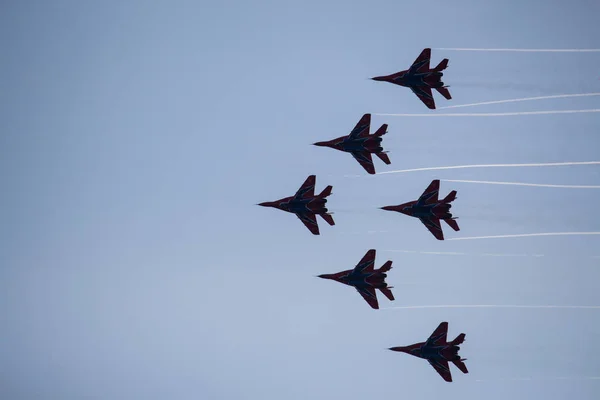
(558, 378)
(506, 114)
(527, 235)
(524, 184)
(457, 253)
(489, 306)
(558, 96)
(493, 166)
(523, 50)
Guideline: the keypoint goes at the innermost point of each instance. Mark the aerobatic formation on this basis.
(427, 208)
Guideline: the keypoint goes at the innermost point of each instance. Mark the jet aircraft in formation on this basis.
(365, 279)
(438, 351)
(430, 210)
(421, 79)
(360, 144)
(306, 205)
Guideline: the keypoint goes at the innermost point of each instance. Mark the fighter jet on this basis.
(306, 205)
(365, 279)
(438, 351)
(430, 210)
(360, 144)
(420, 79)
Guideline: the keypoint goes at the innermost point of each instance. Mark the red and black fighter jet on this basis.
(430, 210)
(420, 79)
(360, 144)
(306, 205)
(438, 351)
(365, 279)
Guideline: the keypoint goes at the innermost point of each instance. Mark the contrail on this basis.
(523, 50)
(558, 96)
(492, 166)
(488, 306)
(506, 114)
(527, 235)
(524, 184)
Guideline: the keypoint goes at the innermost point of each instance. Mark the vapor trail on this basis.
(523, 50)
(558, 96)
(527, 235)
(493, 166)
(593, 110)
(488, 306)
(524, 184)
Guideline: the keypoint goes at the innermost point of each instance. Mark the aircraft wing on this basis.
(308, 188)
(425, 95)
(368, 293)
(442, 368)
(366, 263)
(430, 195)
(310, 221)
(434, 226)
(421, 64)
(362, 127)
(364, 158)
(438, 337)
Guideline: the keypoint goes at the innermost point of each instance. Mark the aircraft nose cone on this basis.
(265, 204)
(387, 208)
(325, 276)
(399, 349)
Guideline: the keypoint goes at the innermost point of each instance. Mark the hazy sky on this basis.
(137, 137)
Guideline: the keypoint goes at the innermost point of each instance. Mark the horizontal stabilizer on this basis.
(388, 293)
(450, 198)
(453, 224)
(442, 65)
(384, 157)
(459, 339)
(386, 267)
(444, 92)
(328, 218)
(461, 365)
(326, 192)
(382, 130)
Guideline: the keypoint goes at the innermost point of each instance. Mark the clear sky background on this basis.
(137, 137)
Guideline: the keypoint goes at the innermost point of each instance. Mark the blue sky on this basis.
(137, 138)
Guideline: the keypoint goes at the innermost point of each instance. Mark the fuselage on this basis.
(371, 144)
(300, 205)
(414, 209)
(427, 351)
(406, 78)
(374, 278)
